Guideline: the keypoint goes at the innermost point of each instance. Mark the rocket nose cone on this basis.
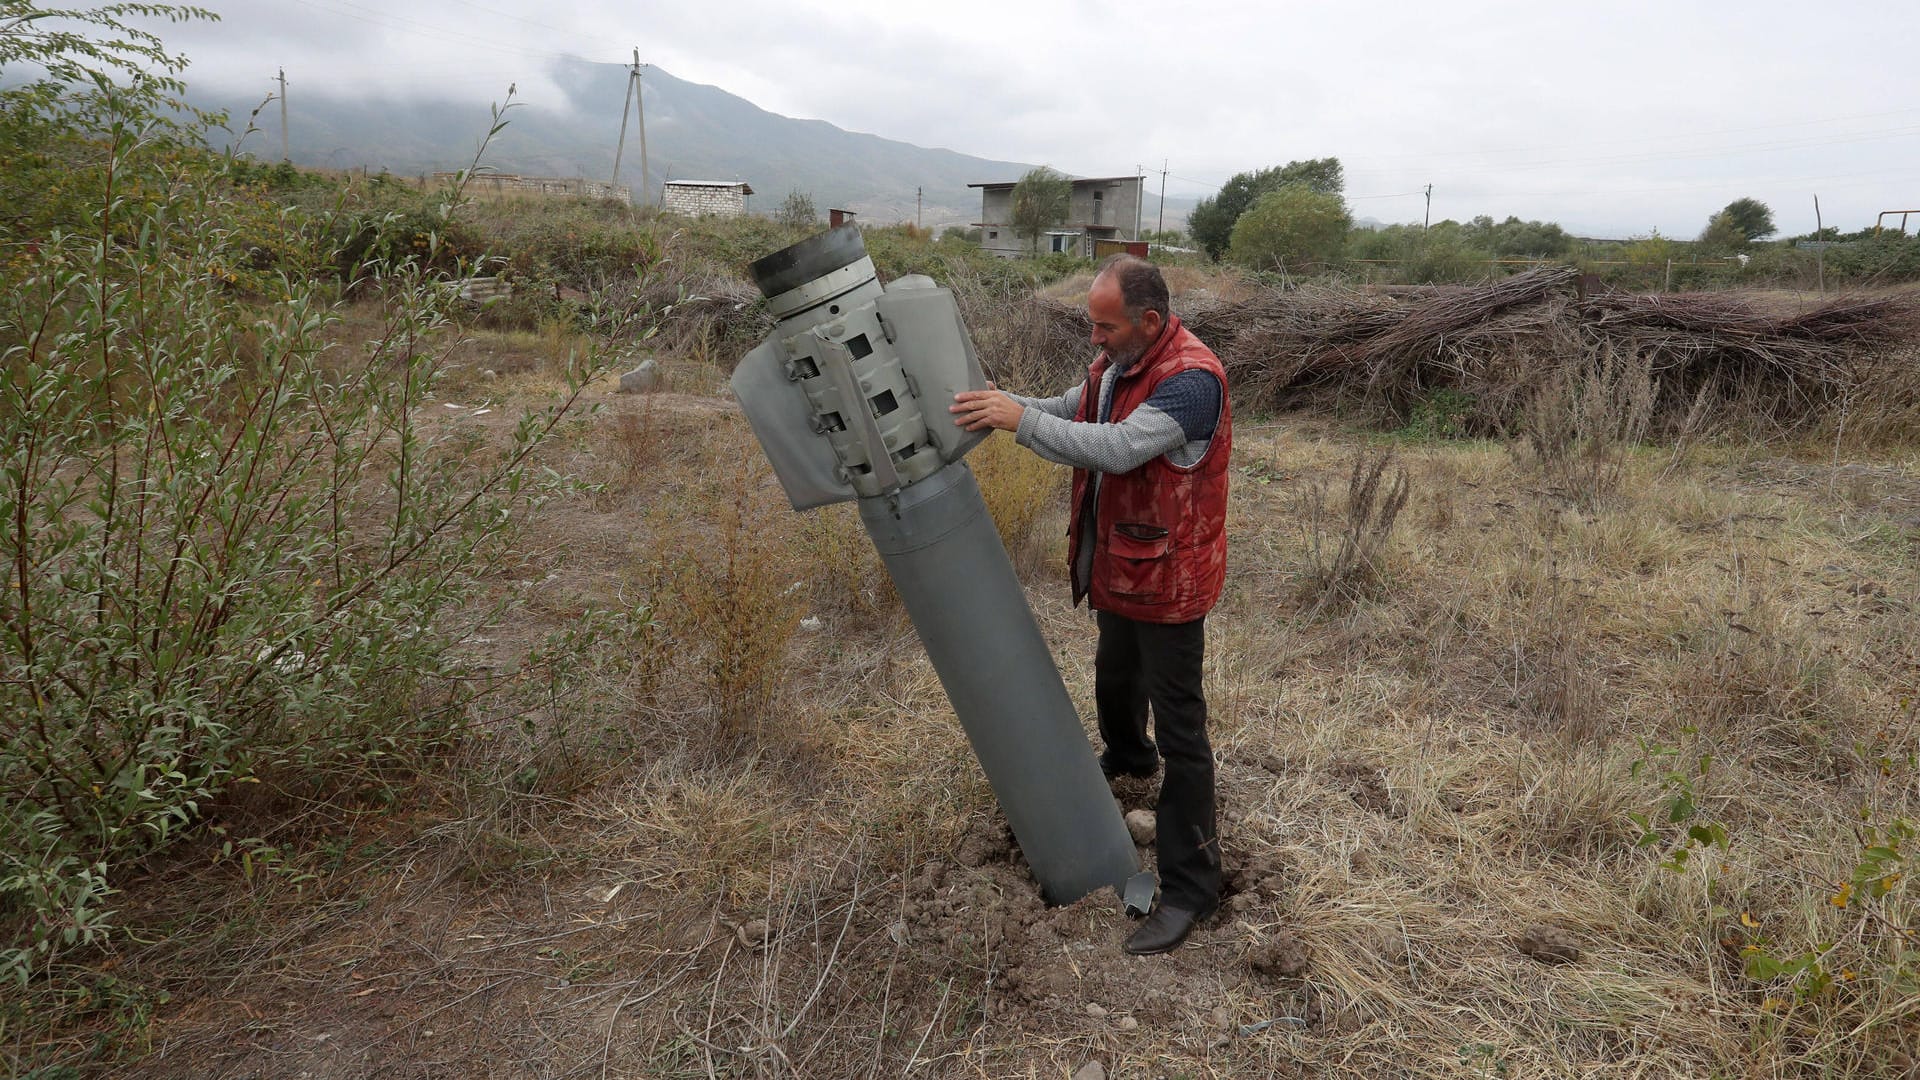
(818, 255)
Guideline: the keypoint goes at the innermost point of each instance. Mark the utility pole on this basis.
(916, 206)
(284, 154)
(1428, 217)
(1820, 253)
(1162, 227)
(628, 103)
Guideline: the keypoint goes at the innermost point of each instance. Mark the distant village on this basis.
(1103, 215)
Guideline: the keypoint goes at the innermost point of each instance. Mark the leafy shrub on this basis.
(226, 555)
(1290, 228)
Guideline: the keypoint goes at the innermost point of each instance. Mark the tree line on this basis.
(1294, 218)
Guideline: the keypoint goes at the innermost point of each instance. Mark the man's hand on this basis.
(977, 410)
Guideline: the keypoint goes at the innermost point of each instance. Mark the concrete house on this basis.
(1102, 208)
(705, 198)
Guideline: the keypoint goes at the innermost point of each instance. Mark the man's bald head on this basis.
(1142, 289)
(1128, 308)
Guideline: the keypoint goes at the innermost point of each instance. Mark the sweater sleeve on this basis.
(1108, 448)
(1063, 406)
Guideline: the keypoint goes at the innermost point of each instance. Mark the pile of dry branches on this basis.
(1500, 343)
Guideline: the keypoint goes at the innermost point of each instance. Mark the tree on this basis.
(1211, 221)
(1290, 227)
(797, 210)
(1751, 218)
(1040, 201)
(1536, 239)
(1722, 234)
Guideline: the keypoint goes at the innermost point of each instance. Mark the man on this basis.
(1148, 436)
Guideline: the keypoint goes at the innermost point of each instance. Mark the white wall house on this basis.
(706, 198)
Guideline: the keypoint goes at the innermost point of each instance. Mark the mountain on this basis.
(694, 132)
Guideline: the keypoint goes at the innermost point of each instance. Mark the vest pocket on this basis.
(1140, 563)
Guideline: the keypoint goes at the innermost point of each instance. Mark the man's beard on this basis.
(1126, 358)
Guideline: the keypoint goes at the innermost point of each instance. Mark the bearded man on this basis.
(1148, 435)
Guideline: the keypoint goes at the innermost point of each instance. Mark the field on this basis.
(386, 695)
(1597, 765)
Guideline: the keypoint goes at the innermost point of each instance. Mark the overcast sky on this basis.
(1612, 118)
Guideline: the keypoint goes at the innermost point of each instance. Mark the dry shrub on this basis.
(849, 582)
(1584, 420)
(1022, 491)
(633, 446)
(1345, 551)
(734, 610)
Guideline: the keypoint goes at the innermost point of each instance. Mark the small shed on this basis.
(706, 198)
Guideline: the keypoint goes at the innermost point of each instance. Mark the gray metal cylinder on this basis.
(947, 562)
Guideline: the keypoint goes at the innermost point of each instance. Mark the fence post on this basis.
(1668, 287)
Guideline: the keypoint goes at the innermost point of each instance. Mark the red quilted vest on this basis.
(1160, 545)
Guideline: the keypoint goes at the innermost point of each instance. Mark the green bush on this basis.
(1290, 228)
(226, 555)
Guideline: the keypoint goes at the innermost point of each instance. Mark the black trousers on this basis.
(1142, 664)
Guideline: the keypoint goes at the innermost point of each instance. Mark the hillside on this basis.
(693, 131)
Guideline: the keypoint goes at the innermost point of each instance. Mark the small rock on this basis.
(1092, 1070)
(898, 932)
(1141, 824)
(753, 934)
(1126, 1023)
(644, 379)
(811, 622)
(1096, 1010)
(1222, 1018)
(1548, 944)
(489, 374)
(1220, 1042)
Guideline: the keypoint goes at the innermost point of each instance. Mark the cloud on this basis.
(1634, 112)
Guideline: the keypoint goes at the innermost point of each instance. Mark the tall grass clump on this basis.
(228, 555)
(1346, 551)
(1581, 424)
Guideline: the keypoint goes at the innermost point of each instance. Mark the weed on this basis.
(1442, 414)
(1581, 423)
(1676, 829)
(1549, 654)
(737, 607)
(1345, 553)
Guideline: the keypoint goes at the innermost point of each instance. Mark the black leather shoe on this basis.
(1113, 771)
(1162, 931)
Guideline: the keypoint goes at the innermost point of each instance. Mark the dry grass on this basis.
(727, 844)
